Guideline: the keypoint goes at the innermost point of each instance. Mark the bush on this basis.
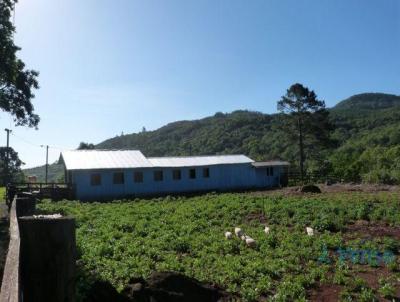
(310, 189)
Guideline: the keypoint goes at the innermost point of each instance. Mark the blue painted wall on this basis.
(222, 177)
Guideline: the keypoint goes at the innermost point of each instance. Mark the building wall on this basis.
(222, 177)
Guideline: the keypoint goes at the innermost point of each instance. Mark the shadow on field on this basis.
(159, 287)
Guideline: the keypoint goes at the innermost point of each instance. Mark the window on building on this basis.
(270, 171)
(138, 176)
(158, 175)
(206, 172)
(95, 179)
(192, 173)
(118, 178)
(176, 174)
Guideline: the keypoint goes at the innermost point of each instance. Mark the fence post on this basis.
(48, 254)
(25, 205)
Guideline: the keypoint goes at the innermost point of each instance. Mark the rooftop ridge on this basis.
(93, 150)
(191, 156)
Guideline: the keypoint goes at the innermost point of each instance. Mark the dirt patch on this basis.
(368, 230)
(325, 293)
(159, 287)
(334, 188)
(372, 276)
(366, 188)
(255, 216)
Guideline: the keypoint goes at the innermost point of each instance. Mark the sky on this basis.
(108, 67)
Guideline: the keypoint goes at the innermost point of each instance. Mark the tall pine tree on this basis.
(306, 121)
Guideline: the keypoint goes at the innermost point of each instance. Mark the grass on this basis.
(2, 194)
(2, 200)
(125, 239)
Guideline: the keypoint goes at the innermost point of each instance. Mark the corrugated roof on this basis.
(101, 159)
(118, 159)
(191, 161)
(270, 163)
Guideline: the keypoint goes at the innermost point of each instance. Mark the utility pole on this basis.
(47, 161)
(6, 177)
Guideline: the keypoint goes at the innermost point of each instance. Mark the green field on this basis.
(125, 239)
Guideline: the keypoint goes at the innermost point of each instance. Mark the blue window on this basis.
(192, 173)
(176, 174)
(158, 175)
(118, 178)
(206, 172)
(95, 179)
(138, 176)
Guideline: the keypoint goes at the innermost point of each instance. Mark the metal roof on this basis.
(191, 161)
(101, 159)
(271, 163)
(119, 159)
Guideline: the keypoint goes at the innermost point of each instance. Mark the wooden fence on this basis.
(296, 180)
(40, 264)
(53, 191)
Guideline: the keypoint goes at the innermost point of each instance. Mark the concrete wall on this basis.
(222, 177)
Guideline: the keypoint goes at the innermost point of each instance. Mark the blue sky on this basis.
(112, 66)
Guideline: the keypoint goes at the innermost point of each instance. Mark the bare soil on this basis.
(372, 276)
(363, 229)
(335, 188)
(256, 217)
(325, 293)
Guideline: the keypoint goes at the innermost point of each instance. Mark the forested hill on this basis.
(367, 126)
(368, 102)
(236, 132)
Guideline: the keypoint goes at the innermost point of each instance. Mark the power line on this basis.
(40, 145)
(25, 140)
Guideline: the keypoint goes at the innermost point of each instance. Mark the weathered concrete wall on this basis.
(10, 287)
(40, 264)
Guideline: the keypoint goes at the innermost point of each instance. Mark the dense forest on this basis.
(365, 140)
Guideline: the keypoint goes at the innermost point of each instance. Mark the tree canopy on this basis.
(14, 166)
(85, 146)
(305, 121)
(17, 83)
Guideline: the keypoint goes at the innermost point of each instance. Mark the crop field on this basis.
(353, 255)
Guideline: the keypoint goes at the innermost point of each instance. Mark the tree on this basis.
(16, 82)
(305, 120)
(14, 166)
(85, 146)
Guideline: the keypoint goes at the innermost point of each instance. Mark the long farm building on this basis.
(105, 174)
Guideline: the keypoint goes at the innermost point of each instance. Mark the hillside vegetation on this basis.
(55, 173)
(366, 148)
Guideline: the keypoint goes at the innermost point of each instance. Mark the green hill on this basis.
(367, 127)
(55, 173)
(368, 102)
